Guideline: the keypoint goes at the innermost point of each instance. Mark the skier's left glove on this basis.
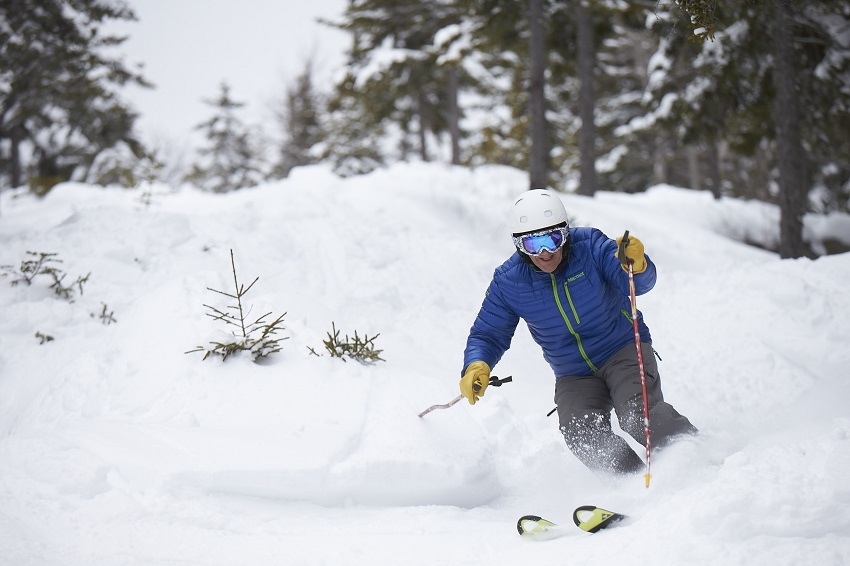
(634, 252)
(474, 381)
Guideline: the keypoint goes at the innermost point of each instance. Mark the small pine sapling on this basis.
(150, 171)
(106, 316)
(41, 263)
(43, 338)
(356, 348)
(258, 337)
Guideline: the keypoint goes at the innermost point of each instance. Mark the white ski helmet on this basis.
(537, 209)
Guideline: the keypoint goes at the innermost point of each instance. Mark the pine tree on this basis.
(58, 104)
(769, 65)
(631, 157)
(356, 133)
(394, 81)
(229, 160)
(301, 122)
(498, 69)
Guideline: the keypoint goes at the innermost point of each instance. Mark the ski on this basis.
(538, 528)
(588, 518)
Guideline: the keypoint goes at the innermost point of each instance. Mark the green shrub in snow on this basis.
(258, 337)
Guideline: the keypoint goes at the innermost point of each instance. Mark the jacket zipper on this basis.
(572, 305)
(567, 320)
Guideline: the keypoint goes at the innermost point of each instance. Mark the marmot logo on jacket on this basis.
(574, 277)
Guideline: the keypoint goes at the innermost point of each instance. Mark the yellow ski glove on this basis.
(475, 381)
(634, 252)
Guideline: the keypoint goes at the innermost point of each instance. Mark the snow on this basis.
(117, 447)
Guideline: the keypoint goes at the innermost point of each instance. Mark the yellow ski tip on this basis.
(533, 525)
(590, 518)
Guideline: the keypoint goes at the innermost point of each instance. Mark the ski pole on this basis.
(494, 381)
(632, 295)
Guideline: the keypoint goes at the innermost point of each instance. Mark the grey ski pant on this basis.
(584, 411)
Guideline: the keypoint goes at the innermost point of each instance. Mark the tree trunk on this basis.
(539, 159)
(423, 128)
(660, 170)
(714, 168)
(16, 172)
(694, 176)
(586, 99)
(789, 150)
(454, 114)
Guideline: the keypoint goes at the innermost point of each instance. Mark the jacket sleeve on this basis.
(491, 333)
(605, 254)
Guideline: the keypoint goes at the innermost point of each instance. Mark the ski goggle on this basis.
(550, 240)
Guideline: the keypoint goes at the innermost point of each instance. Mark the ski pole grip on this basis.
(496, 382)
(624, 241)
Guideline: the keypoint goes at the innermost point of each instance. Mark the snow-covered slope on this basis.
(117, 447)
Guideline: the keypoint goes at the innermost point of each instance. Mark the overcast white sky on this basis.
(188, 47)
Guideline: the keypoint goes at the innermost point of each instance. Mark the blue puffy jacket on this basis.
(580, 314)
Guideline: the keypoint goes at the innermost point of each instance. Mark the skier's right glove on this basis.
(474, 381)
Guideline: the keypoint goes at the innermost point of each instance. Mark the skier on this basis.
(573, 293)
